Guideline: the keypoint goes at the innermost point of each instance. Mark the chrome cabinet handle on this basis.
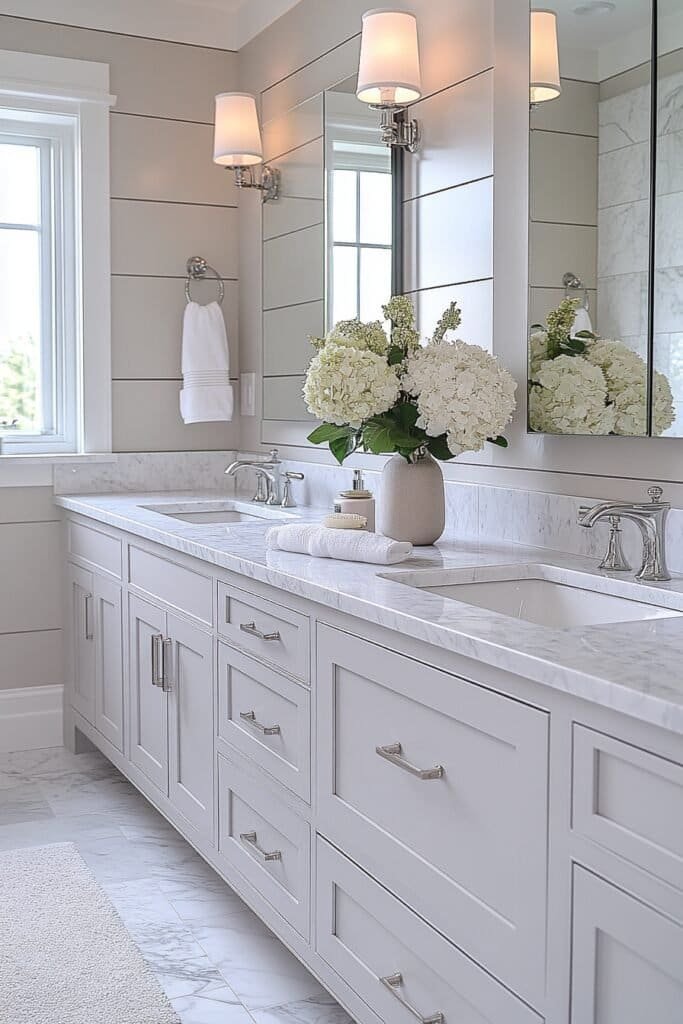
(394, 752)
(250, 628)
(252, 840)
(166, 645)
(393, 982)
(157, 679)
(89, 633)
(267, 730)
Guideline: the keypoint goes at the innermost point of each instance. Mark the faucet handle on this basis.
(655, 493)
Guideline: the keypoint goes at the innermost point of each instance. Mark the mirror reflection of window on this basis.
(359, 200)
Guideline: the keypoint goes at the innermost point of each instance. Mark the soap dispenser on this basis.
(357, 501)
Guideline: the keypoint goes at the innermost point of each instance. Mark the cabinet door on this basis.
(627, 961)
(82, 641)
(109, 660)
(189, 678)
(148, 702)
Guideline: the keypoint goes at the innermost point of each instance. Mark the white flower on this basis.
(569, 396)
(355, 334)
(626, 376)
(538, 351)
(461, 391)
(348, 385)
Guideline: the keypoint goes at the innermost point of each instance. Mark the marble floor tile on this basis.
(23, 802)
(28, 765)
(79, 793)
(64, 829)
(320, 1010)
(219, 1006)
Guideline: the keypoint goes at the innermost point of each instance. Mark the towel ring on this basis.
(574, 283)
(197, 268)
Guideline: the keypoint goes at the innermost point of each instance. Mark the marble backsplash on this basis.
(474, 512)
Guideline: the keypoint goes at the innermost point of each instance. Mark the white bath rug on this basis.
(65, 955)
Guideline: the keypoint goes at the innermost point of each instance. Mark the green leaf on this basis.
(438, 447)
(382, 434)
(343, 446)
(537, 327)
(396, 355)
(405, 414)
(499, 440)
(328, 432)
(585, 334)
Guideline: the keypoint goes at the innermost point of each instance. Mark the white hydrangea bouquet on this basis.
(385, 394)
(590, 385)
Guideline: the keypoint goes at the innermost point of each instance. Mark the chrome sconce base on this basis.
(396, 129)
(269, 183)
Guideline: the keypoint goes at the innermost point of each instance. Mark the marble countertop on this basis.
(632, 667)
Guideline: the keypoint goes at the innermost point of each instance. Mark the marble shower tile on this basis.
(670, 163)
(23, 802)
(624, 175)
(622, 305)
(319, 1010)
(623, 239)
(669, 300)
(624, 119)
(668, 237)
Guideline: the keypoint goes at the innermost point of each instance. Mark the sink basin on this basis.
(544, 594)
(221, 511)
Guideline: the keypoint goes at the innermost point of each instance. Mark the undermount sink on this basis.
(223, 511)
(543, 594)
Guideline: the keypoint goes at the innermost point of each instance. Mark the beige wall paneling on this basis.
(27, 505)
(475, 301)
(30, 659)
(304, 81)
(167, 160)
(147, 76)
(449, 236)
(457, 137)
(564, 178)
(283, 399)
(147, 318)
(557, 248)
(157, 238)
(294, 128)
(30, 556)
(542, 300)
(575, 111)
(146, 417)
(286, 348)
(302, 171)
(287, 215)
(293, 268)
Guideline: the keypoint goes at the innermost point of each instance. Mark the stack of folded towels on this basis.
(349, 545)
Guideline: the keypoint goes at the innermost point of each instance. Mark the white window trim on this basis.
(81, 88)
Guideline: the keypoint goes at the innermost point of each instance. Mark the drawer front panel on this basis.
(94, 547)
(267, 631)
(266, 841)
(178, 586)
(627, 959)
(372, 940)
(266, 717)
(465, 845)
(630, 802)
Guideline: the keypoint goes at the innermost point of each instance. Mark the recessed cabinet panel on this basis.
(438, 787)
(109, 667)
(627, 961)
(268, 631)
(148, 704)
(82, 641)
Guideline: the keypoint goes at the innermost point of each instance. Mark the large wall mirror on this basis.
(606, 212)
(332, 242)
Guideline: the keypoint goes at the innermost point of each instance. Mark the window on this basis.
(54, 258)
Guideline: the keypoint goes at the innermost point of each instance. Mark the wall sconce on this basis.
(544, 82)
(389, 73)
(237, 143)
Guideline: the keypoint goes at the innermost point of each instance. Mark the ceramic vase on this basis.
(412, 504)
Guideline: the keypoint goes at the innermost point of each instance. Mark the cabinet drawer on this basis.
(95, 548)
(466, 844)
(178, 586)
(630, 802)
(627, 959)
(266, 841)
(268, 631)
(267, 717)
(371, 939)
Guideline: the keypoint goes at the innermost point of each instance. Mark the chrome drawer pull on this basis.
(89, 633)
(166, 653)
(267, 730)
(393, 982)
(250, 628)
(157, 678)
(393, 752)
(251, 839)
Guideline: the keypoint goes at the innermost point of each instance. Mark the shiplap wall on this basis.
(169, 202)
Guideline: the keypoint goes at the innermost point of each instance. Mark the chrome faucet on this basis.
(267, 487)
(650, 518)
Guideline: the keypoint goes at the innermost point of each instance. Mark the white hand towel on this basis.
(348, 545)
(206, 395)
(582, 322)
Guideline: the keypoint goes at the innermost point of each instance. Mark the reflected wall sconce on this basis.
(237, 143)
(544, 81)
(389, 73)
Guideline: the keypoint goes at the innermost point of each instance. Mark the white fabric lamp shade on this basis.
(544, 82)
(237, 136)
(389, 68)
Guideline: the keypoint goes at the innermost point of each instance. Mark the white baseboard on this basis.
(31, 718)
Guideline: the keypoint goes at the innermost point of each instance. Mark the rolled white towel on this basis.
(349, 545)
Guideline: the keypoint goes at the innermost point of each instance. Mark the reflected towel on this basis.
(349, 545)
(206, 395)
(582, 322)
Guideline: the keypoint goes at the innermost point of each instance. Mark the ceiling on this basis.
(226, 24)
